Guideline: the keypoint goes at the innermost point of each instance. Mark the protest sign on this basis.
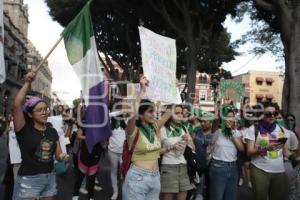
(13, 146)
(159, 66)
(57, 124)
(232, 90)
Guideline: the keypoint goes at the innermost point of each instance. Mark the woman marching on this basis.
(175, 181)
(142, 181)
(266, 146)
(115, 148)
(38, 144)
(88, 163)
(223, 169)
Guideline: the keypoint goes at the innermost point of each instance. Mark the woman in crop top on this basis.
(142, 180)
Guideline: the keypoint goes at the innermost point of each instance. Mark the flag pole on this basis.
(47, 56)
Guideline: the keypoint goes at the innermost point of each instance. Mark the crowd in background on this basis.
(171, 151)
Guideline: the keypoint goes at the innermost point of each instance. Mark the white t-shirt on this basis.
(224, 149)
(273, 161)
(116, 141)
(173, 157)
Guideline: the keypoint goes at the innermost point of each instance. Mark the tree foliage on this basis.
(265, 32)
(202, 42)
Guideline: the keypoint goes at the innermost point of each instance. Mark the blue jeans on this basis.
(141, 184)
(223, 180)
(40, 185)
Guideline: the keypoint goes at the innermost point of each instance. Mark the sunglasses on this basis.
(270, 114)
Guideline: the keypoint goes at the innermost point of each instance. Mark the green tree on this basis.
(202, 41)
(277, 29)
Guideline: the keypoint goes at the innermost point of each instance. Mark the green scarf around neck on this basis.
(148, 131)
(174, 130)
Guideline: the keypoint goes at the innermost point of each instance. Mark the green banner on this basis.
(232, 90)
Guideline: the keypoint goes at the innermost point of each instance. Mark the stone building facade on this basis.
(42, 84)
(15, 54)
(20, 55)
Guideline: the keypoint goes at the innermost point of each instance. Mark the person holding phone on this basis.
(266, 146)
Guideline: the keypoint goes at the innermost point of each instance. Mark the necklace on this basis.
(148, 131)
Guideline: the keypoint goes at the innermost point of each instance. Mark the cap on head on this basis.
(197, 112)
(207, 116)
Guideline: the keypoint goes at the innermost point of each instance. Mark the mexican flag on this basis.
(82, 53)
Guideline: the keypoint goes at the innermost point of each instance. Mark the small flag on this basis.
(82, 53)
(2, 63)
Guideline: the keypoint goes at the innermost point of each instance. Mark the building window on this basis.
(259, 80)
(203, 78)
(202, 97)
(259, 100)
(259, 97)
(269, 81)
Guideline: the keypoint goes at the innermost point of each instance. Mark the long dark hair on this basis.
(144, 106)
(114, 123)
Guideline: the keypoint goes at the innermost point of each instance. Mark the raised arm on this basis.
(135, 107)
(166, 116)
(18, 116)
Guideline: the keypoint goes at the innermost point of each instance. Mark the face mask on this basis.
(280, 122)
(290, 124)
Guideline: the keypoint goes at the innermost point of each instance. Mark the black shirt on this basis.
(37, 150)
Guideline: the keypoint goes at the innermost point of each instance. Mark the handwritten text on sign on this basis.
(159, 65)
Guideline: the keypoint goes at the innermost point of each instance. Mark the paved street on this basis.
(66, 184)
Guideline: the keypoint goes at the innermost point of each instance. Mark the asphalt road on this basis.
(66, 182)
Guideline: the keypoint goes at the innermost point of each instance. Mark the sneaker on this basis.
(83, 191)
(97, 188)
(75, 197)
(114, 196)
(241, 182)
(249, 185)
(96, 181)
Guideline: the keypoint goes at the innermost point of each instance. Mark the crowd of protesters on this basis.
(174, 152)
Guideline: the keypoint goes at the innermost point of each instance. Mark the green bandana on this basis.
(117, 124)
(188, 125)
(148, 131)
(227, 131)
(280, 122)
(291, 125)
(174, 130)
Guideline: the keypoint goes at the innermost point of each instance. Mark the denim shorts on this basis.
(141, 184)
(37, 186)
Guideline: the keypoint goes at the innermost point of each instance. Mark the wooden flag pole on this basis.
(47, 56)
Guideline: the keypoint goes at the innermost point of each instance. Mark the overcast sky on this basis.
(44, 32)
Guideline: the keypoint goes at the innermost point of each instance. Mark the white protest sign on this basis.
(159, 66)
(57, 123)
(14, 149)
